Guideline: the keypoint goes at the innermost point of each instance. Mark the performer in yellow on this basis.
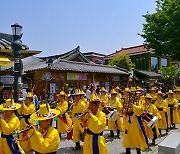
(25, 112)
(140, 95)
(152, 133)
(64, 121)
(104, 99)
(173, 116)
(83, 99)
(153, 93)
(118, 90)
(9, 122)
(112, 125)
(78, 107)
(162, 106)
(46, 138)
(94, 142)
(134, 131)
(177, 96)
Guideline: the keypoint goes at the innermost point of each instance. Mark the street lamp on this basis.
(16, 46)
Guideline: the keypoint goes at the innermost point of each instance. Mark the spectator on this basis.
(88, 92)
(1, 95)
(35, 100)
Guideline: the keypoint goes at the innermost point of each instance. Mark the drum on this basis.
(112, 113)
(150, 119)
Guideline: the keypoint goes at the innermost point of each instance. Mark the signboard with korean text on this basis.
(76, 76)
(116, 78)
(7, 79)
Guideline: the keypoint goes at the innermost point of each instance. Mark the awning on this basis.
(149, 73)
(4, 61)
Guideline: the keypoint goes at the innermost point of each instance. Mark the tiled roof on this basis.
(64, 65)
(149, 73)
(68, 56)
(6, 40)
(131, 50)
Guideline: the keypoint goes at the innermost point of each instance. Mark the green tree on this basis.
(122, 61)
(170, 75)
(162, 28)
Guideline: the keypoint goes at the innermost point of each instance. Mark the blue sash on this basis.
(26, 118)
(12, 144)
(142, 128)
(64, 117)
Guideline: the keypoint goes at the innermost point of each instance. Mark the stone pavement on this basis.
(114, 145)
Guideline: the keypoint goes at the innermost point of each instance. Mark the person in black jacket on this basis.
(1, 95)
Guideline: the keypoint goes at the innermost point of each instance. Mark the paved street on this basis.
(114, 145)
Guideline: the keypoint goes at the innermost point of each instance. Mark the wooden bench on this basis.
(170, 145)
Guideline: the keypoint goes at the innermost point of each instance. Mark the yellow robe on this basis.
(7, 128)
(162, 124)
(119, 96)
(77, 124)
(112, 125)
(47, 144)
(25, 110)
(152, 109)
(96, 124)
(133, 136)
(176, 119)
(178, 98)
(104, 99)
(63, 125)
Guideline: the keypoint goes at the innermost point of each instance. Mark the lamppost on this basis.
(16, 46)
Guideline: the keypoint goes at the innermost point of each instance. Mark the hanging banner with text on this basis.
(76, 76)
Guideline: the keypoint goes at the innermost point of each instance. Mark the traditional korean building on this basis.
(97, 58)
(72, 69)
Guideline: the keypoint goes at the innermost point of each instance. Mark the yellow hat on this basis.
(160, 93)
(103, 89)
(118, 88)
(77, 92)
(94, 98)
(82, 92)
(133, 89)
(62, 93)
(148, 96)
(170, 92)
(10, 105)
(113, 92)
(45, 113)
(29, 95)
(139, 88)
(152, 89)
(177, 89)
(127, 90)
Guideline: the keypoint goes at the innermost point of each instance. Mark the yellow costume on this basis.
(7, 127)
(64, 121)
(119, 124)
(104, 101)
(173, 103)
(47, 142)
(162, 106)
(177, 96)
(96, 124)
(133, 135)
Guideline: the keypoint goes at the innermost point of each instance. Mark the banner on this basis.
(76, 76)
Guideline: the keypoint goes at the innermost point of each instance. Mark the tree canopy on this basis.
(162, 28)
(122, 61)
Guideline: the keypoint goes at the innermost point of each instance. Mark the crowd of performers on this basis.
(139, 118)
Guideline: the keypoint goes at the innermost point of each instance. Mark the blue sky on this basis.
(57, 26)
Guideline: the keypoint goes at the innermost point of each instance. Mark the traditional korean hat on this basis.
(94, 99)
(148, 96)
(77, 92)
(113, 92)
(62, 93)
(152, 89)
(177, 89)
(45, 113)
(10, 105)
(103, 89)
(139, 88)
(82, 92)
(170, 92)
(133, 89)
(160, 93)
(127, 90)
(29, 95)
(117, 88)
